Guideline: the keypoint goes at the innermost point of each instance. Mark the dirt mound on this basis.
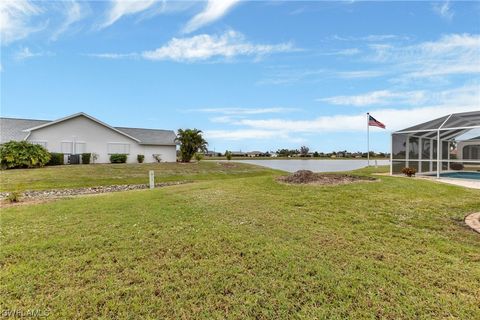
(227, 164)
(309, 177)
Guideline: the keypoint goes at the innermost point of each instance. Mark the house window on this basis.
(40, 143)
(80, 147)
(114, 147)
(67, 147)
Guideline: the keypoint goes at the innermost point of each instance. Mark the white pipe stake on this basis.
(152, 179)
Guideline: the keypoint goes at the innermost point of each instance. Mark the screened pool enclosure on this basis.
(448, 143)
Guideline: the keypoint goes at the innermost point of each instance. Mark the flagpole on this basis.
(368, 140)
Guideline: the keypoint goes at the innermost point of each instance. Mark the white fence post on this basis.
(152, 179)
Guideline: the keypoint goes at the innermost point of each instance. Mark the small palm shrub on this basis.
(140, 158)
(228, 155)
(23, 154)
(409, 171)
(94, 157)
(118, 158)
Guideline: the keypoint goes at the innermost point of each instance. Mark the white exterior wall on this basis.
(96, 138)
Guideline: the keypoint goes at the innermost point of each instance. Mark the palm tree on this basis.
(191, 142)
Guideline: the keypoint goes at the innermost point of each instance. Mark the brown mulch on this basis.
(309, 177)
(227, 164)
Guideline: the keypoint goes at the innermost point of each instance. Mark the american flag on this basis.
(374, 122)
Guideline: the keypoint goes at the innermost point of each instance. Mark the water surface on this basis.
(314, 165)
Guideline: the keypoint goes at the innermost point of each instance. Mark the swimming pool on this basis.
(461, 175)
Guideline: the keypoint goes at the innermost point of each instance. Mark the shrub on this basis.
(94, 157)
(13, 197)
(456, 166)
(56, 159)
(198, 156)
(23, 154)
(118, 158)
(157, 157)
(409, 171)
(86, 158)
(140, 158)
(228, 154)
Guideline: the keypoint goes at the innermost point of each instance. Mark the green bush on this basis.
(118, 158)
(140, 158)
(14, 197)
(198, 156)
(56, 159)
(23, 154)
(86, 158)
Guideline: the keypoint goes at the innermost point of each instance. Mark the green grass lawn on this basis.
(247, 247)
(76, 176)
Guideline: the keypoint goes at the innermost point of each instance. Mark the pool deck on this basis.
(467, 183)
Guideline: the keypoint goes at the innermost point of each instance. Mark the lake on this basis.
(315, 165)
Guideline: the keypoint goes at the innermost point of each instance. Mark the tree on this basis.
(304, 151)
(191, 142)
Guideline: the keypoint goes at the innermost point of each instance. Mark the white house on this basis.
(469, 149)
(81, 133)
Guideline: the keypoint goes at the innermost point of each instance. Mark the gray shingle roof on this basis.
(12, 129)
(150, 136)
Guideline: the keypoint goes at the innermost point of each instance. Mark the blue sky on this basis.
(252, 75)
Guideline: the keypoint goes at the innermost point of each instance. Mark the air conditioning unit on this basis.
(74, 159)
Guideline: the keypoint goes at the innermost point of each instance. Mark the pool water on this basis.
(461, 175)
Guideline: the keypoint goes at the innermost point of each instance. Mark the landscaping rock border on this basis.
(59, 193)
(473, 221)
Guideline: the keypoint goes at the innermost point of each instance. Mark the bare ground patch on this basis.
(309, 177)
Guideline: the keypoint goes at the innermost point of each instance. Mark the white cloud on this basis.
(112, 55)
(120, 8)
(204, 46)
(74, 12)
(394, 119)
(342, 52)
(465, 95)
(359, 74)
(385, 97)
(444, 10)
(15, 16)
(214, 10)
(371, 37)
(453, 54)
(26, 53)
(462, 99)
